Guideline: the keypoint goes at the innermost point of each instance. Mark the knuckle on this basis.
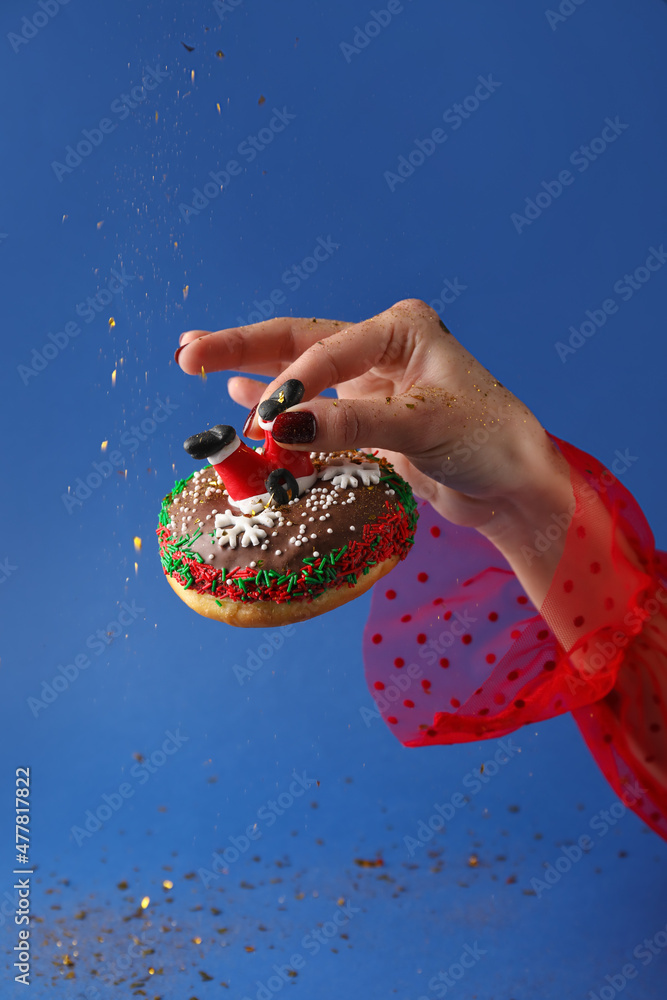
(236, 345)
(346, 426)
(418, 308)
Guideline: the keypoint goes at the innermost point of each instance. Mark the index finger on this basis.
(263, 348)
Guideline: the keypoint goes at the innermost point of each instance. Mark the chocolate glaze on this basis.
(368, 504)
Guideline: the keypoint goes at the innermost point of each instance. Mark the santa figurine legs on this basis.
(255, 479)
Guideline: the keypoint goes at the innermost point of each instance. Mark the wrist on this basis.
(542, 496)
(529, 524)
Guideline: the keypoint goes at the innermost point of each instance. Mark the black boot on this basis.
(288, 394)
(208, 442)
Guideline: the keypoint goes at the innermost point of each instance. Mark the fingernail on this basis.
(246, 426)
(297, 427)
(177, 352)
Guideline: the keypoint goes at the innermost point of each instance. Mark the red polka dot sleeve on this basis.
(455, 651)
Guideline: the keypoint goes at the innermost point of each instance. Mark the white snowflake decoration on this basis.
(229, 526)
(349, 475)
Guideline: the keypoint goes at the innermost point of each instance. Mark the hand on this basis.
(407, 387)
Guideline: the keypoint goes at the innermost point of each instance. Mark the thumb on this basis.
(407, 423)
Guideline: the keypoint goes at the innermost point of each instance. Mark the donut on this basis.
(271, 537)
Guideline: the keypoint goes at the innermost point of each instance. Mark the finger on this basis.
(411, 423)
(264, 348)
(400, 338)
(245, 391)
(190, 335)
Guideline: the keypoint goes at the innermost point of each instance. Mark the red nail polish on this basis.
(297, 427)
(246, 426)
(176, 353)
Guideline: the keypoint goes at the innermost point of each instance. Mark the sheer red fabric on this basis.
(455, 651)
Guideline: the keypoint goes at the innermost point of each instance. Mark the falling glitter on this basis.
(112, 322)
(145, 901)
(185, 292)
(113, 377)
(137, 543)
(104, 445)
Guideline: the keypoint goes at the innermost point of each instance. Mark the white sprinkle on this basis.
(322, 517)
(315, 554)
(214, 512)
(278, 552)
(352, 528)
(273, 534)
(264, 546)
(311, 518)
(253, 564)
(298, 542)
(329, 531)
(313, 535)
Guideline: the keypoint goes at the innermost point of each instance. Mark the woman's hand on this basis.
(406, 387)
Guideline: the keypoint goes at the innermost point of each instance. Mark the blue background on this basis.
(70, 566)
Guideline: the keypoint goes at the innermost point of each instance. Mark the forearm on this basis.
(599, 573)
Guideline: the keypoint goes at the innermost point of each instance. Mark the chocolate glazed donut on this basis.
(291, 557)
